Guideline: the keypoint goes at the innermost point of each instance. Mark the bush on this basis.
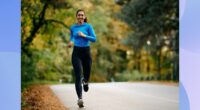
(134, 75)
(97, 77)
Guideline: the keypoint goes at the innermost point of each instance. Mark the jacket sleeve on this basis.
(92, 35)
(71, 35)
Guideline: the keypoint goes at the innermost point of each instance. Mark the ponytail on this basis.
(85, 20)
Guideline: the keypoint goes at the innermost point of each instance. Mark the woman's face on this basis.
(80, 16)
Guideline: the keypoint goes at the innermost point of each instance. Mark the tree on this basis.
(43, 25)
(34, 18)
(151, 20)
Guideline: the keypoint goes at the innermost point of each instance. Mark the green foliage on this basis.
(134, 75)
(155, 22)
(150, 17)
(28, 68)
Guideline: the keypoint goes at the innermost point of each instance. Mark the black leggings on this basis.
(81, 60)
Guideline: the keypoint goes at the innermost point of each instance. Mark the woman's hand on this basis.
(81, 34)
(70, 44)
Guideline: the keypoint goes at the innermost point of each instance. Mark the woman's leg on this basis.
(87, 63)
(77, 69)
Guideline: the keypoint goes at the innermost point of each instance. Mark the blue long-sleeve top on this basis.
(86, 29)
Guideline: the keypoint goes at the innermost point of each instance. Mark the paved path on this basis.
(121, 96)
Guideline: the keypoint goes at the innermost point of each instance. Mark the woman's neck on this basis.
(80, 23)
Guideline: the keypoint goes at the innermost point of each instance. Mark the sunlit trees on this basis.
(156, 26)
(134, 37)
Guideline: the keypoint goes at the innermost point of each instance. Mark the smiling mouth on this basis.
(80, 20)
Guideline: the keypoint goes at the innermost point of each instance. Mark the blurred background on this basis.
(137, 40)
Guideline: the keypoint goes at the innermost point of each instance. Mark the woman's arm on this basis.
(91, 36)
(70, 44)
(71, 36)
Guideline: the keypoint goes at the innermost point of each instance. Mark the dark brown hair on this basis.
(85, 20)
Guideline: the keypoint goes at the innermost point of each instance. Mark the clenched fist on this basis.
(81, 34)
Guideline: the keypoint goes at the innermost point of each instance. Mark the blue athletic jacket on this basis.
(86, 29)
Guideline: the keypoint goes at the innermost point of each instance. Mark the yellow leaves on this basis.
(38, 42)
(69, 20)
(25, 32)
(27, 29)
(58, 60)
(41, 65)
(83, 4)
(119, 29)
(40, 97)
(131, 64)
(164, 50)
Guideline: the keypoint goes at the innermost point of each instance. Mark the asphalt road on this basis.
(121, 96)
